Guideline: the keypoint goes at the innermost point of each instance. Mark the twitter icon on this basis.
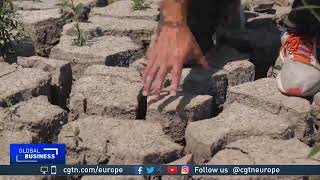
(150, 170)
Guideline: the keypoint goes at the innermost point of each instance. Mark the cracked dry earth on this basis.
(220, 116)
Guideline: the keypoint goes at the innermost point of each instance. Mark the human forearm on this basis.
(174, 11)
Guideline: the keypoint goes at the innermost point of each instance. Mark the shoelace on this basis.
(300, 47)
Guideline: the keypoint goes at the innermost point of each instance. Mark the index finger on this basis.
(176, 76)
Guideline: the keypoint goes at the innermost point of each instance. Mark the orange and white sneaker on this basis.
(300, 70)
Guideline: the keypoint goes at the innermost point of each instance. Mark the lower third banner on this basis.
(160, 170)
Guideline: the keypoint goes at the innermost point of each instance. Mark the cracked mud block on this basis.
(219, 56)
(264, 150)
(128, 74)
(38, 116)
(118, 141)
(259, 151)
(44, 28)
(315, 107)
(98, 3)
(123, 9)
(23, 85)
(198, 81)
(109, 96)
(237, 66)
(35, 5)
(139, 65)
(61, 76)
(97, 25)
(264, 94)
(6, 68)
(52, 4)
(112, 178)
(207, 137)
(174, 113)
(315, 114)
(107, 50)
(7, 137)
(239, 72)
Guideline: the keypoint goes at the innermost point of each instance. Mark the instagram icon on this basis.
(185, 170)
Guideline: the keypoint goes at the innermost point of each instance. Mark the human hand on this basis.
(174, 46)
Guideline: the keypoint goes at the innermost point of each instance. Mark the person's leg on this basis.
(305, 21)
(202, 20)
(300, 73)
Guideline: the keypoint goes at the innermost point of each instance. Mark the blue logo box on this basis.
(37, 153)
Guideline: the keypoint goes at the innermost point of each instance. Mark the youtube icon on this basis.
(172, 170)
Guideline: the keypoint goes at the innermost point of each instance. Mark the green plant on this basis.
(315, 10)
(10, 28)
(75, 137)
(80, 40)
(315, 150)
(139, 5)
(76, 12)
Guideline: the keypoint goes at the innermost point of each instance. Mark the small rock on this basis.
(174, 113)
(205, 138)
(119, 141)
(265, 8)
(61, 76)
(23, 85)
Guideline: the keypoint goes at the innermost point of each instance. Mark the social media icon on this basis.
(185, 170)
(139, 170)
(160, 170)
(150, 170)
(172, 170)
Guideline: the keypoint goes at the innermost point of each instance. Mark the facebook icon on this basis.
(139, 170)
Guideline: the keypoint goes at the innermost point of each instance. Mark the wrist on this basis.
(174, 24)
(175, 11)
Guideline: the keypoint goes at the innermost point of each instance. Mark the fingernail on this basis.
(173, 93)
(145, 93)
